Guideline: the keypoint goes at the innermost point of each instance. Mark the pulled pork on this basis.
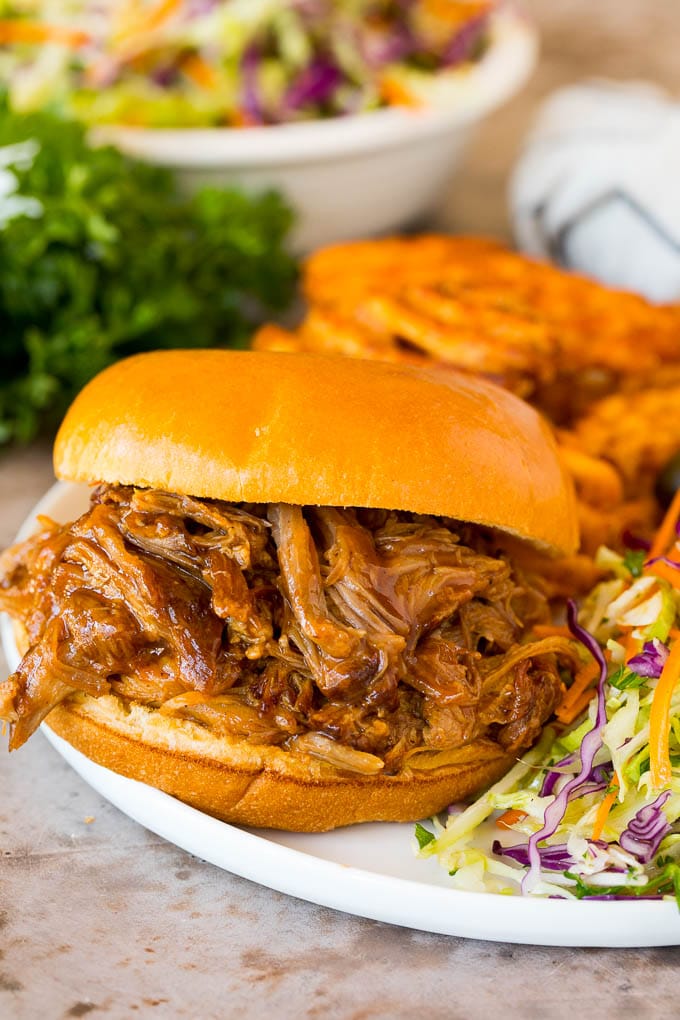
(365, 637)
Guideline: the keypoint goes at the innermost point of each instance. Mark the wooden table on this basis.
(100, 918)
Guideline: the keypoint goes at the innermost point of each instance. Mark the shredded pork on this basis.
(364, 637)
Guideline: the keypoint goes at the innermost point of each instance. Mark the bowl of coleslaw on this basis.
(356, 110)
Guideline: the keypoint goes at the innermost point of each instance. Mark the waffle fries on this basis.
(602, 365)
(557, 339)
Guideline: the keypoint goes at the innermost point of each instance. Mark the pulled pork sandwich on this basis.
(290, 602)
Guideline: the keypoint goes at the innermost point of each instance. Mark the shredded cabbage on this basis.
(581, 818)
(236, 62)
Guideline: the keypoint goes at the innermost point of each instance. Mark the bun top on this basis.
(321, 430)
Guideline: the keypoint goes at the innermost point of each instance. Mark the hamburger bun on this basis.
(261, 786)
(309, 430)
(321, 431)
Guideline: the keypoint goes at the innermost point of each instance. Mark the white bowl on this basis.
(352, 176)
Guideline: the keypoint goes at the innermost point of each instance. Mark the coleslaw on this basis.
(174, 63)
(593, 811)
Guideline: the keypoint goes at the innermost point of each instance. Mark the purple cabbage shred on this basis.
(645, 831)
(620, 896)
(663, 559)
(465, 40)
(379, 49)
(553, 858)
(315, 84)
(651, 660)
(555, 774)
(250, 99)
(590, 745)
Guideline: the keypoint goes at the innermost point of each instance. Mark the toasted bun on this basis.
(260, 785)
(316, 430)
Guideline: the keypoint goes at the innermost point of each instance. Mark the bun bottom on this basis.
(261, 786)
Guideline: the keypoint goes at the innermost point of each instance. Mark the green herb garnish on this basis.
(625, 679)
(633, 560)
(423, 835)
(101, 257)
(666, 883)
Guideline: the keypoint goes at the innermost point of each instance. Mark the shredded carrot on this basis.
(456, 14)
(605, 807)
(659, 720)
(631, 645)
(674, 633)
(510, 818)
(200, 72)
(36, 32)
(665, 571)
(141, 22)
(582, 691)
(666, 533)
(396, 94)
(551, 630)
(577, 692)
(567, 714)
(160, 13)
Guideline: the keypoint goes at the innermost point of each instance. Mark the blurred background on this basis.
(126, 257)
(621, 39)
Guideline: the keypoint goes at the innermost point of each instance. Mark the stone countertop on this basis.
(98, 917)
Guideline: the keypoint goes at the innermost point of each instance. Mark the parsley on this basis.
(624, 679)
(633, 560)
(423, 835)
(665, 883)
(100, 257)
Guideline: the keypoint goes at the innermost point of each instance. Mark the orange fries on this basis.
(603, 365)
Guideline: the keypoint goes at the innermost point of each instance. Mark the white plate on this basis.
(368, 870)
